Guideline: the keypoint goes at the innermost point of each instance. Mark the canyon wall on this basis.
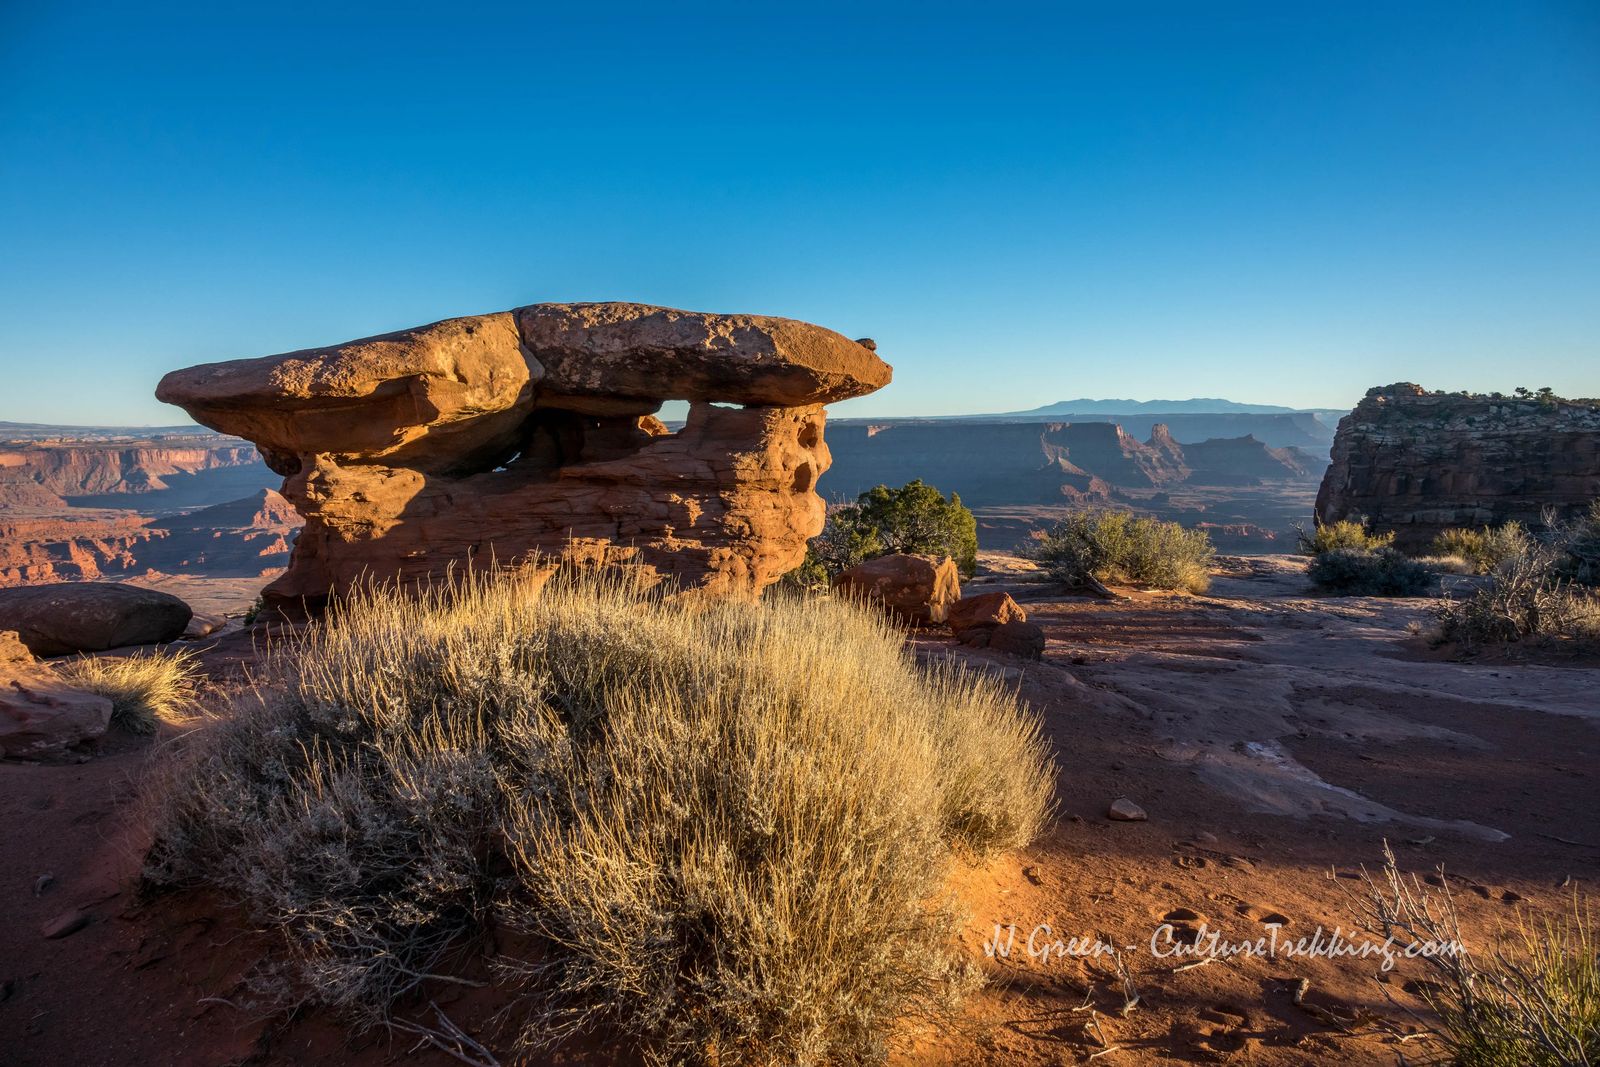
(240, 538)
(1010, 463)
(85, 510)
(70, 469)
(1418, 463)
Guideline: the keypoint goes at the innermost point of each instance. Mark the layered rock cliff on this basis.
(1418, 463)
(529, 431)
(1006, 463)
(78, 470)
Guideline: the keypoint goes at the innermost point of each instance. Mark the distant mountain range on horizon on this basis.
(1199, 405)
(37, 431)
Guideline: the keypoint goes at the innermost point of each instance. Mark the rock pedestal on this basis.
(493, 438)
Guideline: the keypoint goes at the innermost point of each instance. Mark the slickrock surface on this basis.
(1417, 463)
(498, 436)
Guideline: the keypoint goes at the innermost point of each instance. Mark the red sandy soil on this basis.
(1276, 741)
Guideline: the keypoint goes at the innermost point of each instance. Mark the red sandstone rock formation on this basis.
(1418, 463)
(499, 436)
(915, 589)
(40, 714)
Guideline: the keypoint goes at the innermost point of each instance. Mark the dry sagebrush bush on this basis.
(726, 826)
(145, 689)
(1532, 1001)
(1107, 545)
(1484, 549)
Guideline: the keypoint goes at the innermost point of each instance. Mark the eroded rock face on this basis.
(532, 431)
(1419, 463)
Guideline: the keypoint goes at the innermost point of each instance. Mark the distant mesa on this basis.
(533, 431)
(1418, 463)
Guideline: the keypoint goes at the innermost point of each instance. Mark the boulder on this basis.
(983, 612)
(531, 433)
(41, 715)
(55, 620)
(203, 625)
(1017, 638)
(915, 589)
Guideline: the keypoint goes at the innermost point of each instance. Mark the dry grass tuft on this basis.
(145, 689)
(1533, 1002)
(725, 827)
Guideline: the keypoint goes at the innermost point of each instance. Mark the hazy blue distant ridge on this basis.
(1194, 405)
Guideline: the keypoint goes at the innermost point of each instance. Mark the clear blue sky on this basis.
(1274, 202)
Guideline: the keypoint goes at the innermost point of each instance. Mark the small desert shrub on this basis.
(145, 689)
(1527, 597)
(1580, 546)
(1116, 546)
(1535, 1002)
(1344, 535)
(914, 518)
(1369, 572)
(1485, 549)
(723, 828)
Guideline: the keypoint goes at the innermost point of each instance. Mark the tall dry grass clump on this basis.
(723, 827)
(1483, 550)
(145, 689)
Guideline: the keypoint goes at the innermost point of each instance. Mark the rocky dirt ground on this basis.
(1275, 740)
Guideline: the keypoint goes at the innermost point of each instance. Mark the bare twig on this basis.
(448, 1038)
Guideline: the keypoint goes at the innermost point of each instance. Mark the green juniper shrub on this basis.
(915, 518)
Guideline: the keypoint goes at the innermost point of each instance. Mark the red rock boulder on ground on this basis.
(1015, 638)
(40, 715)
(498, 438)
(56, 620)
(983, 612)
(916, 589)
